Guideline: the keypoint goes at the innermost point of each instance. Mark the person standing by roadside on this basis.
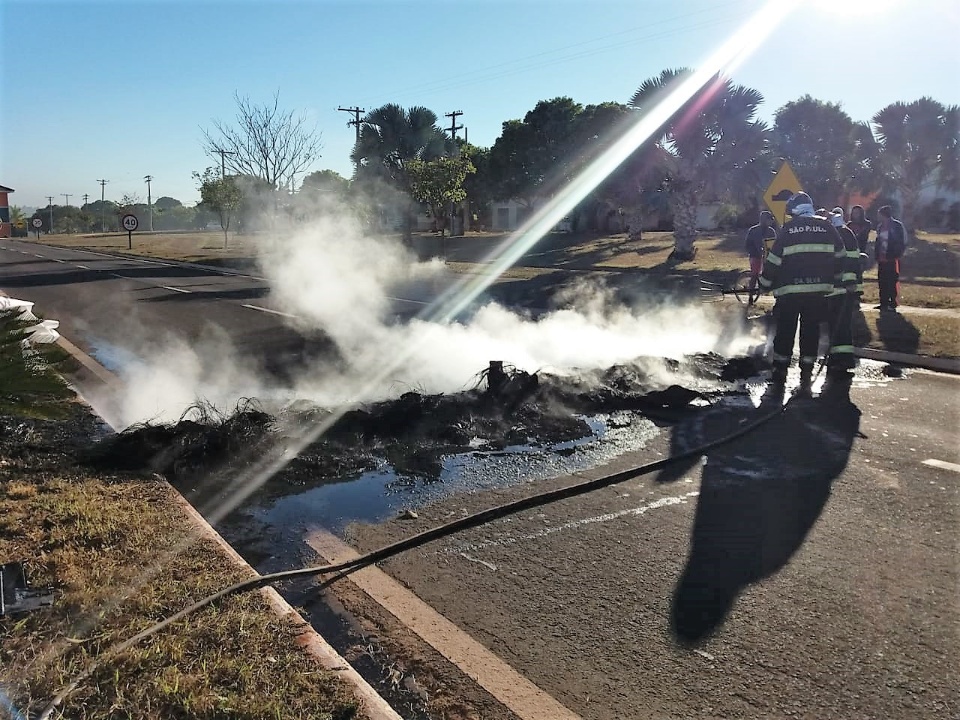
(891, 242)
(758, 242)
(860, 227)
(843, 302)
(804, 266)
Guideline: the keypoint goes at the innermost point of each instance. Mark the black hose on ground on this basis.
(465, 523)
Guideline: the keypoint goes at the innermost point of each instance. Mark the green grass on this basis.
(31, 387)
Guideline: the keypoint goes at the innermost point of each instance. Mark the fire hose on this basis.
(342, 569)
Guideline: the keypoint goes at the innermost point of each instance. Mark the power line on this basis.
(355, 111)
(86, 198)
(484, 72)
(223, 165)
(67, 197)
(459, 83)
(103, 205)
(149, 179)
(455, 152)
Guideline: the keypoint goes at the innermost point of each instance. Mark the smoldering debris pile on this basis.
(203, 438)
(412, 433)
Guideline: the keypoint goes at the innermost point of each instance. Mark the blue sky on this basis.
(119, 90)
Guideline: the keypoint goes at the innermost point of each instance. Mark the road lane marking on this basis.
(39, 256)
(59, 261)
(942, 464)
(176, 289)
(268, 310)
(399, 299)
(82, 266)
(574, 524)
(526, 700)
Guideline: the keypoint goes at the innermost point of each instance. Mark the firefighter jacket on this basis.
(807, 258)
(851, 273)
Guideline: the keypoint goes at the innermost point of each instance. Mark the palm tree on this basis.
(918, 146)
(711, 146)
(390, 137)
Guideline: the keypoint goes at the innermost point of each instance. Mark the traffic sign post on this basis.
(130, 224)
(37, 224)
(783, 186)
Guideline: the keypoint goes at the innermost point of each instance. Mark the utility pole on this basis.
(355, 111)
(456, 153)
(67, 198)
(149, 179)
(223, 162)
(103, 212)
(50, 205)
(86, 199)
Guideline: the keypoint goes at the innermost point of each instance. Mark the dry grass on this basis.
(188, 247)
(99, 543)
(935, 335)
(107, 545)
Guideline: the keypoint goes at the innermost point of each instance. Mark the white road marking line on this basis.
(572, 525)
(122, 277)
(942, 464)
(175, 289)
(415, 302)
(59, 261)
(39, 256)
(268, 310)
(521, 696)
(82, 266)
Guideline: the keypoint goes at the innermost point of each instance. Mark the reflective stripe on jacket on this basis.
(808, 257)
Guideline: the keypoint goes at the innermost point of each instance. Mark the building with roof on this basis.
(6, 230)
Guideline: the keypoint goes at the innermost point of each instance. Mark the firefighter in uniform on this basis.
(843, 304)
(802, 269)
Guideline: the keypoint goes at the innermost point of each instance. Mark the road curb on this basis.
(308, 639)
(927, 362)
(373, 705)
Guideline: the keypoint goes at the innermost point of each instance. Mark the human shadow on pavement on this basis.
(759, 497)
(897, 333)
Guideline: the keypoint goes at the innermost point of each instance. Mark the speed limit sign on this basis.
(37, 223)
(130, 222)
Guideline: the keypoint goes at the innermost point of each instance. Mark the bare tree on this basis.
(266, 142)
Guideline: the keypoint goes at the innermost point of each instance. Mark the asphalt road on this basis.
(808, 570)
(108, 304)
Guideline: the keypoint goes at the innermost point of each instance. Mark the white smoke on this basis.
(336, 279)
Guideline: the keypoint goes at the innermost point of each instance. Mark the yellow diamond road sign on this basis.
(783, 185)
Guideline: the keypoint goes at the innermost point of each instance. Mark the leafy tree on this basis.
(325, 181)
(166, 203)
(478, 185)
(918, 146)
(220, 195)
(265, 142)
(177, 217)
(390, 137)
(439, 183)
(820, 141)
(259, 202)
(105, 214)
(323, 190)
(529, 158)
(704, 147)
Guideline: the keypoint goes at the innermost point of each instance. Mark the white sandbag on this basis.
(43, 332)
(24, 306)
